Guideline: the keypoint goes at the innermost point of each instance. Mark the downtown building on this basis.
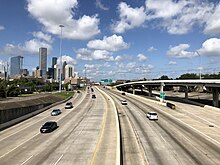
(16, 66)
(43, 62)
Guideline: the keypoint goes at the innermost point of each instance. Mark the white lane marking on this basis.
(22, 129)
(29, 125)
(143, 99)
(58, 160)
(27, 160)
(196, 130)
(203, 119)
(163, 138)
(19, 145)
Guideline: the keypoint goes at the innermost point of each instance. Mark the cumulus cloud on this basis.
(69, 60)
(151, 49)
(112, 43)
(52, 13)
(2, 28)
(180, 51)
(210, 47)
(178, 17)
(42, 36)
(100, 5)
(213, 22)
(29, 47)
(172, 63)
(89, 55)
(129, 18)
(141, 57)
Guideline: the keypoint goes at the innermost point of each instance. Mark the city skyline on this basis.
(115, 39)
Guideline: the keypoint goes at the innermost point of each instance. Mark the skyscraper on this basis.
(43, 62)
(54, 62)
(16, 65)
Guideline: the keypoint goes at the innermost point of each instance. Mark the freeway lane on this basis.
(174, 138)
(87, 134)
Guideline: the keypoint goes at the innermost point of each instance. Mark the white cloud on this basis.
(89, 55)
(178, 17)
(112, 43)
(32, 46)
(2, 28)
(151, 49)
(141, 57)
(52, 13)
(118, 58)
(180, 51)
(100, 5)
(10, 49)
(163, 9)
(129, 18)
(69, 60)
(210, 47)
(29, 47)
(172, 63)
(213, 22)
(42, 36)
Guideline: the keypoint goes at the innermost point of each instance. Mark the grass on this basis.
(64, 95)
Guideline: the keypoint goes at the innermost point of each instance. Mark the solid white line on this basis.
(19, 145)
(27, 160)
(163, 138)
(58, 160)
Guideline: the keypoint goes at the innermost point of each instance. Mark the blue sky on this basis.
(128, 39)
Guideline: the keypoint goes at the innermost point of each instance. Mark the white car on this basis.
(152, 116)
(124, 102)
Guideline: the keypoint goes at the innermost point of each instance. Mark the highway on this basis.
(103, 131)
(81, 137)
(187, 135)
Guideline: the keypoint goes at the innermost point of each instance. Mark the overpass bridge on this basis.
(213, 84)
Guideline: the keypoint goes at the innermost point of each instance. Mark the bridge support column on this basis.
(150, 90)
(133, 89)
(186, 92)
(215, 92)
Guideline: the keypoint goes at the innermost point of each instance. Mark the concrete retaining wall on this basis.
(14, 112)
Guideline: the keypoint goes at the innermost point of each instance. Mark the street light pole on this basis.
(200, 68)
(60, 82)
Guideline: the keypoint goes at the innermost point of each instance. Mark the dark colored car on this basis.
(48, 127)
(93, 96)
(56, 112)
(78, 91)
(123, 93)
(69, 105)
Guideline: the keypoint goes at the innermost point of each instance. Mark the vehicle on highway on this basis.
(49, 126)
(123, 93)
(78, 91)
(56, 112)
(152, 116)
(93, 96)
(92, 89)
(69, 105)
(124, 102)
